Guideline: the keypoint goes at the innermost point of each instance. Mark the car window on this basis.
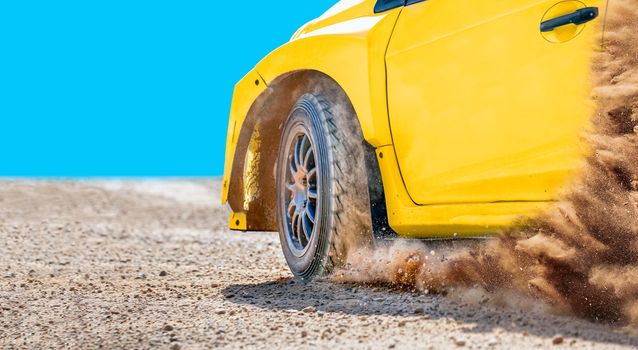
(384, 5)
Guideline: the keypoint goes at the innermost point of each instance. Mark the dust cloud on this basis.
(578, 258)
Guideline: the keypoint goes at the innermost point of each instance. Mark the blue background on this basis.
(129, 88)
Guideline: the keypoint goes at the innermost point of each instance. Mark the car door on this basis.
(483, 105)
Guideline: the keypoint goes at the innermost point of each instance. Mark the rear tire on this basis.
(323, 202)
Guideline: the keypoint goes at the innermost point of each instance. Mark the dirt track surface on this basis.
(150, 264)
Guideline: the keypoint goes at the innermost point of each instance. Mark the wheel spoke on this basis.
(304, 141)
(310, 212)
(295, 217)
(293, 221)
(293, 167)
(312, 176)
(307, 158)
(312, 193)
(299, 229)
(291, 208)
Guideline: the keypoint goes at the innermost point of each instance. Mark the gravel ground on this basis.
(150, 264)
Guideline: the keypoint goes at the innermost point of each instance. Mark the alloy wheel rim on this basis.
(301, 192)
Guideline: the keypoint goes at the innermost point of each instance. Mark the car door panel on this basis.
(483, 107)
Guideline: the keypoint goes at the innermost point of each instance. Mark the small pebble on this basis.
(558, 340)
(163, 273)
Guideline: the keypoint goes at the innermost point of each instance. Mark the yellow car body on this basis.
(476, 115)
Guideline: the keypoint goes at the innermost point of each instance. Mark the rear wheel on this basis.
(322, 185)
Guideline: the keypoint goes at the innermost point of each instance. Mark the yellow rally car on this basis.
(410, 118)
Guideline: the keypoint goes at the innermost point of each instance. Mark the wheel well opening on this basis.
(252, 187)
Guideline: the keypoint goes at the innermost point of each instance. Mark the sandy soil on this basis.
(150, 264)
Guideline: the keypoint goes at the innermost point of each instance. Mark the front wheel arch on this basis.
(252, 178)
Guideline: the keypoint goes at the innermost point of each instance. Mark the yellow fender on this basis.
(326, 55)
